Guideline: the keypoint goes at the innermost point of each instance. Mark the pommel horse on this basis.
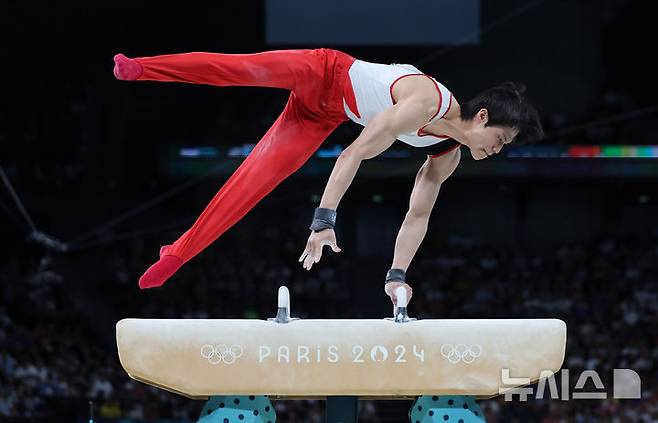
(238, 365)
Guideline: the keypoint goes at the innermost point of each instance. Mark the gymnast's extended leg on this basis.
(286, 146)
(277, 69)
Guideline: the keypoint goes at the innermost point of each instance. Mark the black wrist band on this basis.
(323, 219)
(396, 275)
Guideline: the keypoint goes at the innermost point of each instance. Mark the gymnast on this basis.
(328, 87)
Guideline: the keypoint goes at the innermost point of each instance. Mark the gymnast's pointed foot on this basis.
(163, 250)
(157, 274)
(127, 69)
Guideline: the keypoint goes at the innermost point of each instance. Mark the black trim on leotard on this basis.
(430, 150)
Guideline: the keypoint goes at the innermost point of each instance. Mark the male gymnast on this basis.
(328, 87)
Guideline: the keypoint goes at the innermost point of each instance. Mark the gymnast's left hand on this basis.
(316, 242)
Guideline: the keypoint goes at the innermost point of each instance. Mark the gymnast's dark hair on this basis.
(507, 106)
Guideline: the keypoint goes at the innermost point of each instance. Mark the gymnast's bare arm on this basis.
(414, 227)
(408, 114)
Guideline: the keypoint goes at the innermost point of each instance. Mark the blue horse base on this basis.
(259, 409)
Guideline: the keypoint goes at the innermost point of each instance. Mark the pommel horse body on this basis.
(239, 364)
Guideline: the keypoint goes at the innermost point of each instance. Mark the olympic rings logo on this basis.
(221, 353)
(461, 352)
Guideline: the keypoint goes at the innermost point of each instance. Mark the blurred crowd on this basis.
(55, 356)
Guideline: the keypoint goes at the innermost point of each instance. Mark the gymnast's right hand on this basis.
(316, 241)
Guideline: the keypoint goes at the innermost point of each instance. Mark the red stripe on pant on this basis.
(313, 111)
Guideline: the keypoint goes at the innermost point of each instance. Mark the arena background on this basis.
(98, 173)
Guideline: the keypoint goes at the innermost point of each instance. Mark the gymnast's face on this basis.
(484, 141)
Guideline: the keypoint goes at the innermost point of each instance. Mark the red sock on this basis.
(127, 69)
(163, 250)
(157, 274)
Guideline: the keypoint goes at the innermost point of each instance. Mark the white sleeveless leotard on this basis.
(373, 90)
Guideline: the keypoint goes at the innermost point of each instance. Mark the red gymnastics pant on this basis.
(318, 81)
